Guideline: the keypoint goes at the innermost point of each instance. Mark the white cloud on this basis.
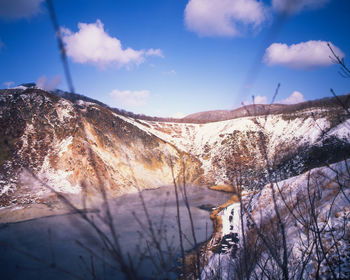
(171, 72)
(130, 98)
(154, 52)
(260, 99)
(222, 17)
(9, 84)
(294, 6)
(178, 115)
(310, 54)
(91, 44)
(16, 9)
(47, 84)
(295, 97)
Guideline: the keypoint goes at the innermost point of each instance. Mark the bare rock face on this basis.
(47, 141)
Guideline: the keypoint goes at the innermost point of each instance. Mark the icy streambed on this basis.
(54, 239)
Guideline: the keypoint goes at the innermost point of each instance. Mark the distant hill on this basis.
(220, 115)
(248, 110)
(265, 109)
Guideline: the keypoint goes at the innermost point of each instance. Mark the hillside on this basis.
(244, 111)
(68, 144)
(58, 144)
(314, 209)
(263, 109)
(293, 142)
(73, 146)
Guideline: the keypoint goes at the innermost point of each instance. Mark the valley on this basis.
(66, 157)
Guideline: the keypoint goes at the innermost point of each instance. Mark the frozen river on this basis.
(66, 247)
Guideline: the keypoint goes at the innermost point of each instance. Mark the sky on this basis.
(171, 58)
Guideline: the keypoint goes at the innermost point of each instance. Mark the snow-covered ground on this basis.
(323, 190)
(206, 141)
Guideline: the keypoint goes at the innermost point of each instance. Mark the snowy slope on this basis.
(69, 145)
(329, 187)
(59, 140)
(213, 142)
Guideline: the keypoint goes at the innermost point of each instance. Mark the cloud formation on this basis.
(178, 115)
(294, 6)
(130, 98)
(48, 84)
(16, 9)
(295, 97)
(171, 72)
(9, 84)
(155, 52)
(305, 55)
(222, 17)
(260, 99)
(91, 44)
(257, 99)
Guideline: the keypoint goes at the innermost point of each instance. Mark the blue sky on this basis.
(176, 57)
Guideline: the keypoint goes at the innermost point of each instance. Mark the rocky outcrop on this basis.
(75, 147)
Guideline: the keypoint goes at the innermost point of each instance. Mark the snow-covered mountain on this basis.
(70, 146)
(69, 143)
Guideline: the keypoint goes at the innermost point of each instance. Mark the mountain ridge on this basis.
(204, 116)
(65, 143)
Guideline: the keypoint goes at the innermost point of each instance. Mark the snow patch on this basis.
(63, 145)
(58, 179)
(84, 103)
(64, 110)
(341, 131)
